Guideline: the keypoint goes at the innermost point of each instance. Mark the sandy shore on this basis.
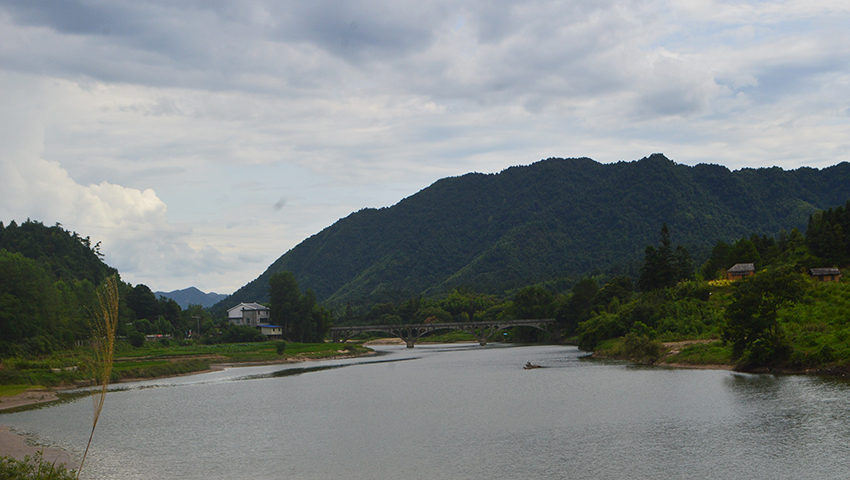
(384, 341)
(17, 446)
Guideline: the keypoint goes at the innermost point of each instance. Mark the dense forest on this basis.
(557, 220)
(47, 292)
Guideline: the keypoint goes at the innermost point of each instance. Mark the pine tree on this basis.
(662, 268)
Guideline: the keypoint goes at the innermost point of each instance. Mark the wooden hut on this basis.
(831, 274)
(741, 270)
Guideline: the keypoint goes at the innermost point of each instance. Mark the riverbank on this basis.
(670, 358)
(704, 355)
(17, 447)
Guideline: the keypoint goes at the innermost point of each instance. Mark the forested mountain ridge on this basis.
(552, 219)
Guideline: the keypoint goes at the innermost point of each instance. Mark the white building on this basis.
(250, 314)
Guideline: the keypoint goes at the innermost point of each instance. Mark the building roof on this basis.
(246, 306)
(742, 268)
(269, 326)
(818, 272)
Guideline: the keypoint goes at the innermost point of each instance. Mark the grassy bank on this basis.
(156, 359)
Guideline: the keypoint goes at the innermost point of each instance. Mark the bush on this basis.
(136, 339)
(641, 349)
(240, 334)
(767, 351)
(280, 347)
(39, 345)
(694, 289)
(596, 329)
(33, 468)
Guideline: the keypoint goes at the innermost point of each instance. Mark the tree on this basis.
(29, 306)
(743, 251)
(143, 303)
(533, 302)
(752, 326)
(309, 320)
(193, 318)
(577, 306)
(826, 237)
(464, 305)
(284, 295)
(618, 288)
(662, 268)
(301, 317)
(716, 261)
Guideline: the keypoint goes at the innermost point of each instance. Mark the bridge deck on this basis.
(412, 331)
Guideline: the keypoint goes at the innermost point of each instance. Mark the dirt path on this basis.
(676, 347)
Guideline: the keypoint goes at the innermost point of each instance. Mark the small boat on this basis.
(529, 366)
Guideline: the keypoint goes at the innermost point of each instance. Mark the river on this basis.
(459, 412)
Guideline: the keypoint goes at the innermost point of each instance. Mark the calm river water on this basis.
(460, 412)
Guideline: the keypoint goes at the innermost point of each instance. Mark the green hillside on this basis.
(47, 281)
(557, 218)
(65, 255)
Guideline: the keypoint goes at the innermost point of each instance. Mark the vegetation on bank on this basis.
(33, 468)
(779, 319)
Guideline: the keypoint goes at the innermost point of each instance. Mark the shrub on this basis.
(240, 334)
(280, 347)
(136, 339)
(597, 329)
(639, 348)
(33, 468)
(769, 350)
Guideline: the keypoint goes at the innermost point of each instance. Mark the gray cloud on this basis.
(192, 117)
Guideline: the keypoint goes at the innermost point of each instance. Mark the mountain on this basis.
(192, 296)
(554, 219)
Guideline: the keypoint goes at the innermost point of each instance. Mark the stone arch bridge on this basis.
(411, 332)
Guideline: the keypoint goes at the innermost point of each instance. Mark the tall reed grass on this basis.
(104, 324)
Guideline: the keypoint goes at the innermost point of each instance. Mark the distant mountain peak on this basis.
(192, 296)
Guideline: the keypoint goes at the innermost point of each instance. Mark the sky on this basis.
(198, 141)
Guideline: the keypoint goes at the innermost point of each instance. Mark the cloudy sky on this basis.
(199, 141)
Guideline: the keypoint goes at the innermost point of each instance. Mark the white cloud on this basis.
(132, 224)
